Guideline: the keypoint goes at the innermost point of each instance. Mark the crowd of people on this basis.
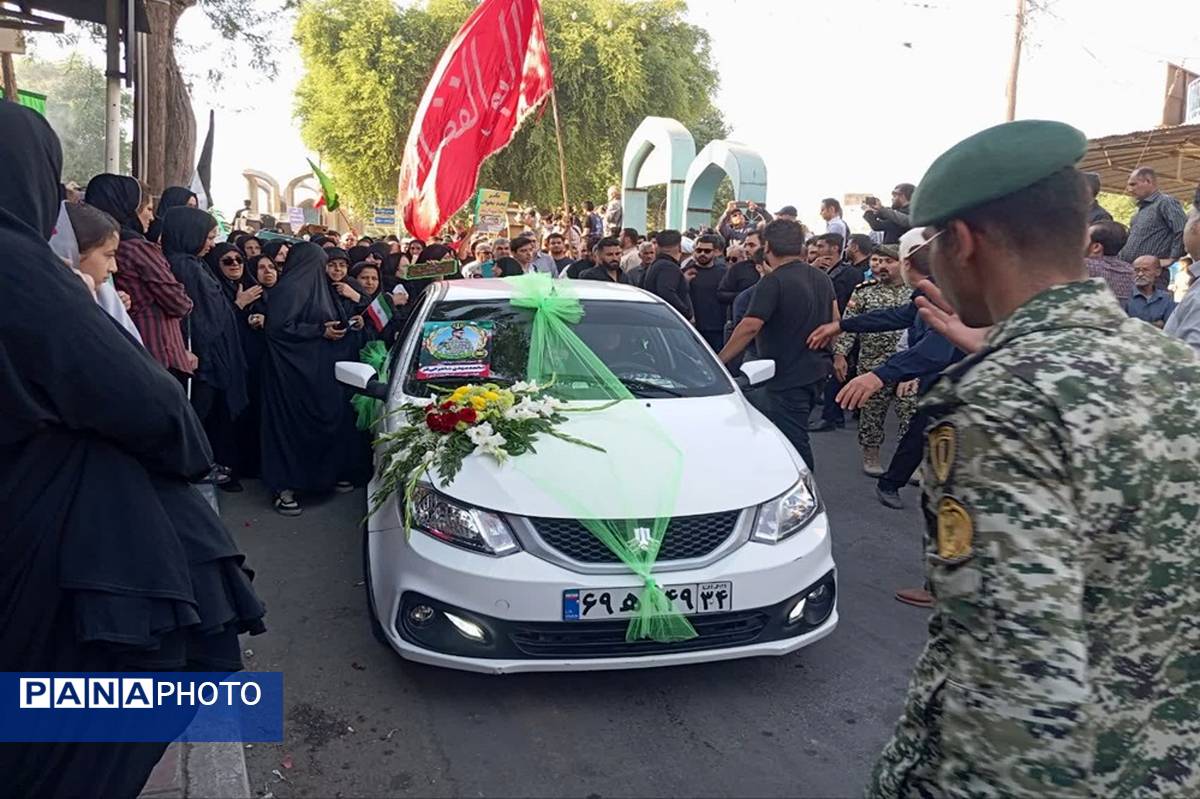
(251, 326)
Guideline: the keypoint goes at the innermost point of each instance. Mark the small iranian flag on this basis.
(380, 312)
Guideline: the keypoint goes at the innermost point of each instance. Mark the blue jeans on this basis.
(790, 409)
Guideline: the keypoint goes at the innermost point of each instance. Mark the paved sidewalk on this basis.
(192, 771)
(200, 770)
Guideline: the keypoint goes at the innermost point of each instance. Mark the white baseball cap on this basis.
(910, 241)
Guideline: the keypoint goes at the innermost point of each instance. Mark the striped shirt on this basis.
(1156, 229)
(1116, 273)
(158, 301)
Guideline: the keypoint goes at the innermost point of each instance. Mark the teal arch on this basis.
(658, 152)
(743, 165)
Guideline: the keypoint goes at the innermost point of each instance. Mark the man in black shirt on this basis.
(665, 278)
(742, 275)
(704, 274)
(791, 301)
(608, 262)
(844, 275)
(577, 268)
(556, 244)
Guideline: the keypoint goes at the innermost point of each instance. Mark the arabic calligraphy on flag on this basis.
(493, 75)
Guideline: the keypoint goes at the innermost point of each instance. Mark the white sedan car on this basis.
(496, 576)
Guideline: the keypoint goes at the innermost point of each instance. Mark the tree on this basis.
(615, 62)
(74, 92)
(1121, 206)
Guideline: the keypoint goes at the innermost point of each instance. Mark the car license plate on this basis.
(592, 604)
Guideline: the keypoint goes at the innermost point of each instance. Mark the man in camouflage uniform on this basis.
(885, 290)
(1062, 508)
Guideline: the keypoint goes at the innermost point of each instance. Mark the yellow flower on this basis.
(491, 396)
(479, 403)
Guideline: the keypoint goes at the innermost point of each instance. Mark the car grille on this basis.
(686, 537)
(598, 639)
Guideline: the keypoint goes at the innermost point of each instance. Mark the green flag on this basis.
(329, 197)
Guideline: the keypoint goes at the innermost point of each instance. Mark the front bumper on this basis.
(517, 600)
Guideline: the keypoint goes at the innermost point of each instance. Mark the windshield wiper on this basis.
(635, 386)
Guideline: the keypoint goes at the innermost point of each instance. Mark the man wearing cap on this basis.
(1063, 521)
(788, 212)
(885, 290)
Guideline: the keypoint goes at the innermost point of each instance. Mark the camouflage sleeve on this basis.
(1006, 568)
(845, 340)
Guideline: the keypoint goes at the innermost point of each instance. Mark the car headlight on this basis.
(460, 525)
(788, 514)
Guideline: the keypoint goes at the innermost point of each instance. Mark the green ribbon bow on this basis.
(554, 348)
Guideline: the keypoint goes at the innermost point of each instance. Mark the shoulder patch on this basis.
(955, 531)
(943, 448)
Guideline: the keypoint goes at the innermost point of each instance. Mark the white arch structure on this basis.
(743, 165)
(673, 149)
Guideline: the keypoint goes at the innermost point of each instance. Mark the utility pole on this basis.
(1018, 40)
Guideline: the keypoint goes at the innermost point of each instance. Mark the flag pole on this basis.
(562, 160)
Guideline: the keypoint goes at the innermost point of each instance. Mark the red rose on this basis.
(447, 405)
(467, 415)
(440, 422)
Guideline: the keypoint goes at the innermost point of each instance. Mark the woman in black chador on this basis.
(110, 560)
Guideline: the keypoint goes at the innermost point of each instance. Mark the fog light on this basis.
(420, 614)
(469, 629)
(797, 610)
(819, 594)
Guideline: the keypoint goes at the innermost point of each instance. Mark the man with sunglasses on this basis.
(1060, 500)
(704, 273)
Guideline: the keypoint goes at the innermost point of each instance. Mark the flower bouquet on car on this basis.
(485, 419)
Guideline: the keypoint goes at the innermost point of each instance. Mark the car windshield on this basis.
(647, 347)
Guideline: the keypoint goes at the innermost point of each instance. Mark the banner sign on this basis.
(455, 349)
(491, 211)
(296, 218)
(141, 706)
(432, 269)
(385, 216)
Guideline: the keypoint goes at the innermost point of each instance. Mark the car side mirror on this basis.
(361, 378)
(755, 373)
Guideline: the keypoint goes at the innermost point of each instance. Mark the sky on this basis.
(851, 96)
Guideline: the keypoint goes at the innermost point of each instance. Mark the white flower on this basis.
(487, 440)
(547, 406)
(523, 410)
(521, 387)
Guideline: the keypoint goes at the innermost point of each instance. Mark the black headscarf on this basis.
(230, 287)
(172, 197)
(32, 161)
(109, 559)
(212, 326)
(380, 251)
(356, 270)
(435, 252)
(119, 196)
(273, 247)
(241, 242)
(508, 267)
(357, 253)
(302, 293)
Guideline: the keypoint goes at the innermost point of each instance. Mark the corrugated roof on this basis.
(1172, 152)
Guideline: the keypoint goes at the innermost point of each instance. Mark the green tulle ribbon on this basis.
(555, 350)
(369, 410)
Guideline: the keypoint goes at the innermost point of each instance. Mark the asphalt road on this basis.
(362, 722)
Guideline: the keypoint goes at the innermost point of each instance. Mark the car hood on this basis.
(712, 453)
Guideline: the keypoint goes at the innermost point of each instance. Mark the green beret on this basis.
(888, 251)
(993, 163)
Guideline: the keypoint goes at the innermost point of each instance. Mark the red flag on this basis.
(493, 75)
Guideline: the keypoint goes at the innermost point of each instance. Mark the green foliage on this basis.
(1121, 206)
(615, 62)
(74, 92)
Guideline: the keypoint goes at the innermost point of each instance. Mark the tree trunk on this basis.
(171, 123)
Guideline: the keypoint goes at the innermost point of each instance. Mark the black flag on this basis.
(202, 178)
